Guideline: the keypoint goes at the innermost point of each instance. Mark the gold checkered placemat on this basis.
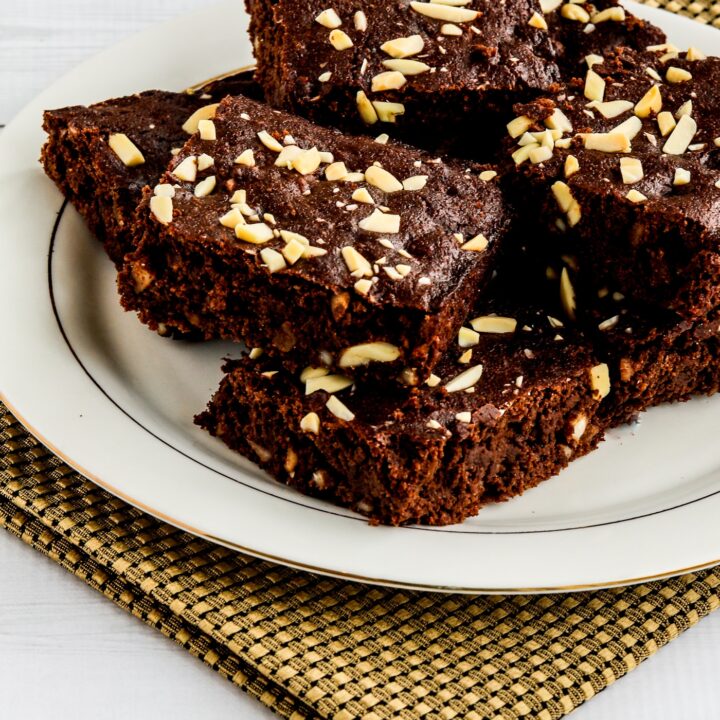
(704, 11)
(308, 646)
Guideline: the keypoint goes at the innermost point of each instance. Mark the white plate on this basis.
(116, 402)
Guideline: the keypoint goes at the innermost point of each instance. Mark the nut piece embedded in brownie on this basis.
(623, 169)
(102, 156)
(509, 406)
(429, 73)
(313, 245)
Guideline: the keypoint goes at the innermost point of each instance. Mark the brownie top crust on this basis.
(480, 45)
(640, 95)
(578, 29)
(632, 145)
(384, 221)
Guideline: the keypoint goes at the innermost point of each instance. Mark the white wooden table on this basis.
(67, 652)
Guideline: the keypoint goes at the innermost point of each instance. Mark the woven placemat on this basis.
(704, 11)
(309, 646)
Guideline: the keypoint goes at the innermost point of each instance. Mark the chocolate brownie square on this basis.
(438, 75)
(314, 246)
(653, 365)
(622, 169)
(654, 355)
(102, 156)
(431, 74)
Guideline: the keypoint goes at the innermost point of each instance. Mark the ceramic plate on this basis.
(116, 401)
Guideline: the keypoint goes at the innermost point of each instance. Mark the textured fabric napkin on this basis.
(309, 646)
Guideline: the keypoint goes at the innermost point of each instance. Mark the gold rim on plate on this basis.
(223, 76)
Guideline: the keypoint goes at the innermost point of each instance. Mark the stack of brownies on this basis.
(460, 241)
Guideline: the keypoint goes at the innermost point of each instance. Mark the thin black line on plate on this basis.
(417, 528)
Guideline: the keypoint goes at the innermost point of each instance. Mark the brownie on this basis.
(411, 68)
(506, 410)
(315, 246)
(654, 357)
(635, 196)
(578, 30)
(90, 174)
(670, 363)
(465, 81)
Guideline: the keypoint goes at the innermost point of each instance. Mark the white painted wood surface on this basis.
(67, 652)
